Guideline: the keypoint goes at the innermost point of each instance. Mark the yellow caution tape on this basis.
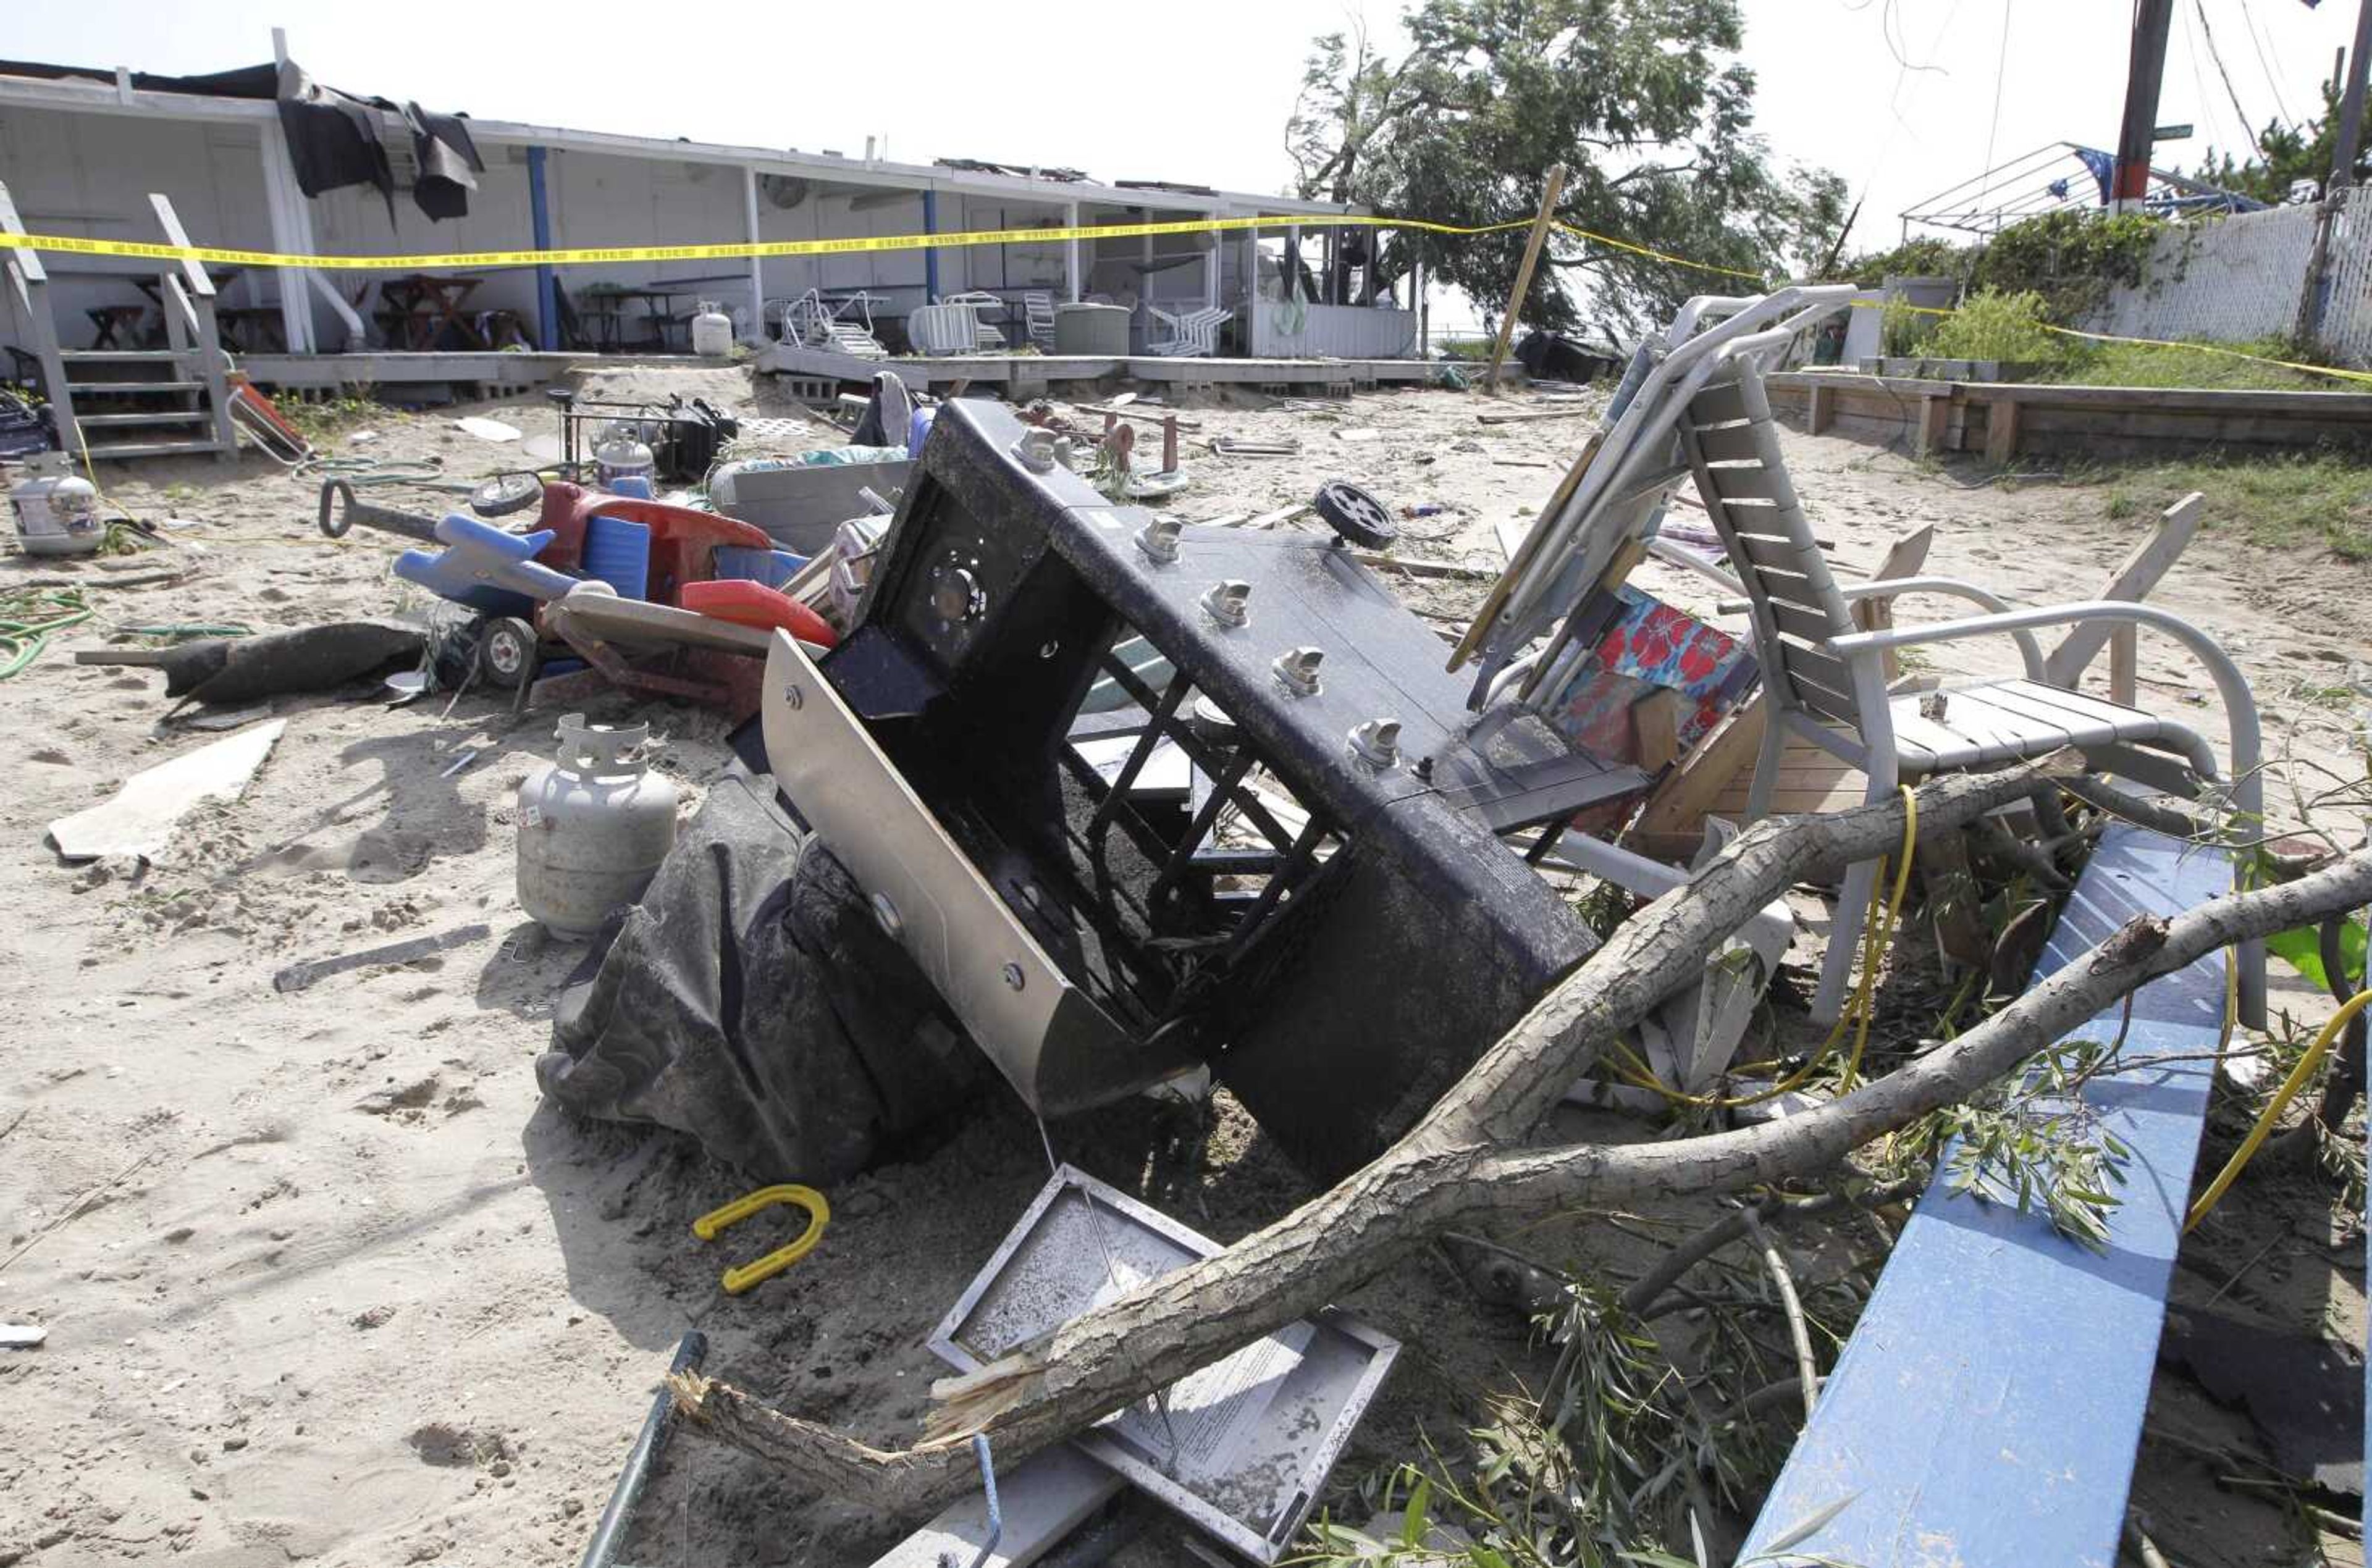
(732, 250)
(2303, 368)
(1579, 233)
(225, 256)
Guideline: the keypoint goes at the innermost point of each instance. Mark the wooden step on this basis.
(160, 416)
(115, 451)
(116, 388)
(150, 355)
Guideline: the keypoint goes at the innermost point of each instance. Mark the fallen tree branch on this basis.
(1806, 1371)
(1640, 1296)
(1454, 1169)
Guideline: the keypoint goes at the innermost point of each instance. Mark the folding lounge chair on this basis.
(1825, 676)
(1193, 335)
(1038, 318)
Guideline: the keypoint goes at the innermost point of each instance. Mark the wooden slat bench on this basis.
(1986, 1411)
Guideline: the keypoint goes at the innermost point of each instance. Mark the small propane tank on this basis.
(622, 456)
(57, 510)
(712, 331)
(593, 826)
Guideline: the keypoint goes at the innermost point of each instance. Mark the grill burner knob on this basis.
(954, 593)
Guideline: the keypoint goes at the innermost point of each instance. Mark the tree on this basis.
(2291, 155)
(1645, 101)
(1468, 1161)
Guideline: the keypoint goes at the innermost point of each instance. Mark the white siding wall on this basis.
(90, 175)
(1335, 331)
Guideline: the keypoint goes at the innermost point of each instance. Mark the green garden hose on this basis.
(28, 617)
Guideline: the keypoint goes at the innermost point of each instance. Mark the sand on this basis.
(324, 1280)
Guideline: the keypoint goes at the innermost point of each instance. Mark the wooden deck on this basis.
(2004, 420)
(1040, 369)
(514, 371)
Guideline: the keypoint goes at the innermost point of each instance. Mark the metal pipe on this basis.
(2239, 706)
(610, 1533)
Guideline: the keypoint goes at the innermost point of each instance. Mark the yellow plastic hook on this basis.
(736, 1280)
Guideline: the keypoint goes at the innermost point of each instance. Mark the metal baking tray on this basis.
(1241, 1448)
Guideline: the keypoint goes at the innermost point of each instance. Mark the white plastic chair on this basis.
(1825, 677)
(1192, 335)
(1037, 317)
(984, 306)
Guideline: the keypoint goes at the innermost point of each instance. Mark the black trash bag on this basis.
(232, 670)
(1549, 356)
(751, 1002)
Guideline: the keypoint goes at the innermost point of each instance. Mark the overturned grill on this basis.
(1140, 798)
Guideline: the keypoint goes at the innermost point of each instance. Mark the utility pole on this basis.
(2308, 331)
(2152, 21)
(2350, 105)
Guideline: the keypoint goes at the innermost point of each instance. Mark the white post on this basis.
(1070, 251)
(1250, 292)
(292, 222)
(757, 265)
(1211, 271)
(1293, 248)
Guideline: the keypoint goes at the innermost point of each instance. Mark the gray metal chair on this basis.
(1825, 676)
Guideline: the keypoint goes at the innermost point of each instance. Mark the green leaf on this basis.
(1412, 1522)
(2301, 948)
(1811, 1524)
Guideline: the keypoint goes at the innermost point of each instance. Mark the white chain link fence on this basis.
(2240, 277)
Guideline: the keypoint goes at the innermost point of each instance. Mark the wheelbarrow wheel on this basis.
(507, 652)
(1355, 517)
(506, 493)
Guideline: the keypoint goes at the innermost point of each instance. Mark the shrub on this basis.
(1993, 325)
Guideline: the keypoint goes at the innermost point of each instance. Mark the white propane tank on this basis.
(57, 510)
(593, 826)
(622, 456)
(712, 331)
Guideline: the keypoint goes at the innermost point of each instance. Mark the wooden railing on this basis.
(28, 284)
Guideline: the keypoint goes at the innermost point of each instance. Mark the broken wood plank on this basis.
(2147, 563)
(1416, 567)
(1527, 416)
(146, 659)
(1655, 726)
(142, 815)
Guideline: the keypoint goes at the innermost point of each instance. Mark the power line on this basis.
(2249, 20)
(2204, 106)
(2001, 73)
(2217, 55)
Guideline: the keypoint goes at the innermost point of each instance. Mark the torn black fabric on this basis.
(448, 159)
(333, 138)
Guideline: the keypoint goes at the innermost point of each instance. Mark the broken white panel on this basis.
(141, 816)
(1241, 1448)
(1041, 1500)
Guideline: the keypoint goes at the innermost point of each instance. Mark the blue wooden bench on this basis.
(1987, 1410)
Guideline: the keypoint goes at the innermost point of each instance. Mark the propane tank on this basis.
(57, 510)
(622, 456)
(712, 331)
(593, 826)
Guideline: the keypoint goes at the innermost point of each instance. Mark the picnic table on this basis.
(118, 326)
(417, 309)
(603, 307)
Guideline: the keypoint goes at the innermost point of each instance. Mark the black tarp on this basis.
(333, 140)
(750, 1001)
